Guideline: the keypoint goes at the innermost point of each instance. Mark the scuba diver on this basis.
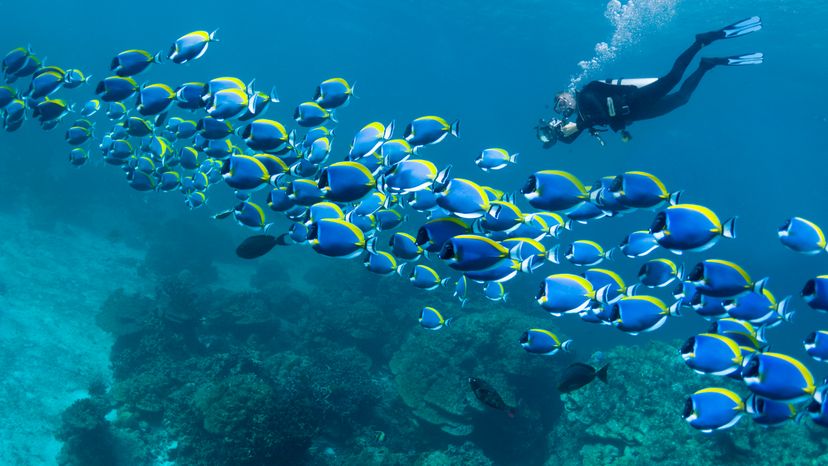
(616, 103)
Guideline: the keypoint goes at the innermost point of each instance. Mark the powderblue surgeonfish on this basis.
(435, 232)
(461, 290)
(580, 252)
(759, 308)
(495, 159)
(410, 176)
(426, 278)
(635, 314)
(388, 219)
(801, 235)
(613, 288)
(815, 293)
(541, 341)
(44, 84)
(502, 216)
(333, 93)
(191, 46)
(191, 95)
(245, 173)
(769, 413)
(816, 345)
(309, 114)
(116, 88)
(380, 262)
(689, 227)
(777, 377)
(463, 198)
(658, 273)
(431, 319)
(228, 103)
(74, 78)
(495, 291)
(154, 99)
(430, 130)
(554, 190)
(710, 353)
(472, 252)
(369, 139)
(722, 279)
(712, 409)
(346, 181)
(132, 62)
(739, 331)
(265, 135)
(502, 271)
(337, 238)
(641, 190)
(78, 156)
(565, 293)
(405, 247)
(394, 151)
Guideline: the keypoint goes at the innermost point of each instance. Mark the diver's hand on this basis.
(568, 129)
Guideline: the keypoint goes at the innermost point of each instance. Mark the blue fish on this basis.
(815, 293)
(461, 290)
(658, 273)
(638, 244)
(308, 114)
(503, 271)
(431, 319)
(723, 279)
(369, 139)
(228, 103)
(502, 216)
(132, 62)
(565, 293)
(581, 253)
(116, 88)
(337, 238)
(554, 190)
(463, 198)
(613, 288)
(472, 252)
(642, 190)
(305, 192)
(245, 173)
(410, 176)
(688, 227)
(759, 308)
(540, 341)
(433, 234)
(495, 291)
(388, 219)
(405, 247)
(712, 409)
(380, 262)
(495, 159)
(426, 278)
(154, 99)
(636, 314)
(777, 377)
(333, 93)
(346, 181)
(394, 151)
(430, 130)
(816, 345)
(710, 353)
(78, 156)
(769, 413)
(191, 96)
(803, 236)
(191, 46)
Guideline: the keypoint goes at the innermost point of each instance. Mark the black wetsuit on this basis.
(617, 106)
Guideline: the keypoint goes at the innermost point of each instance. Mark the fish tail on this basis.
(455, 128)
(602, 373)
(729, 228)
(675, 197)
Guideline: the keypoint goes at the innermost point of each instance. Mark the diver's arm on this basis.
(570, 132)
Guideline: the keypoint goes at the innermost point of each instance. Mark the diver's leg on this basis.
(666, 83)
(675, 100)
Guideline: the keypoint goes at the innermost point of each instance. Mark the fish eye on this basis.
(688, 407)
(530, 185)
(422, 236)
(313, 231)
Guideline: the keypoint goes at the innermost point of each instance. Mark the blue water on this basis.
(749, 144)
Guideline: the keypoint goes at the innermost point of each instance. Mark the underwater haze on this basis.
(135, 333)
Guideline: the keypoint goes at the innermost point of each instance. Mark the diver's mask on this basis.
(565, 103)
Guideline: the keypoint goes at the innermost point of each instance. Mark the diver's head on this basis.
(565, 103)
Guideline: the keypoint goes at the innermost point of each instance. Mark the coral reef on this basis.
(636, 419)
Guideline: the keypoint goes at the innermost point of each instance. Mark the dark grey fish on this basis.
(256, 246)
(489, 396)
(579, 374)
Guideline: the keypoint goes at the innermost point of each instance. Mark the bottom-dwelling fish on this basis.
(579, 374)
(489, 396)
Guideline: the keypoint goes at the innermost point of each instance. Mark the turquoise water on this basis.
(297, 358)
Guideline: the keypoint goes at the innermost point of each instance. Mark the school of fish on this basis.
(192, 138)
